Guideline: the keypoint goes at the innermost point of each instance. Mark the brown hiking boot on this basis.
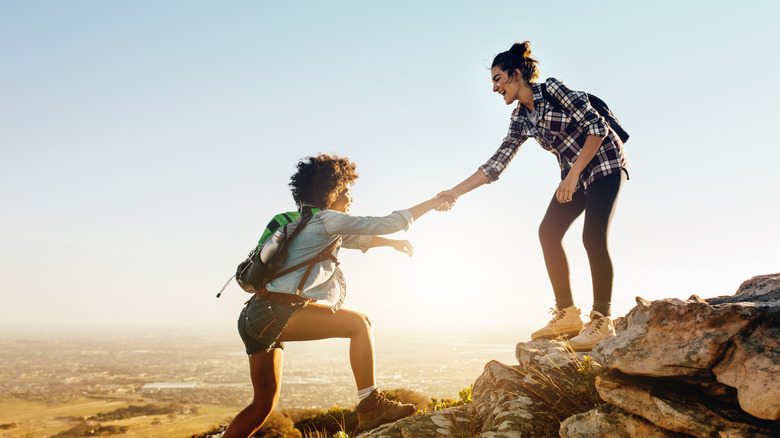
(376, 409)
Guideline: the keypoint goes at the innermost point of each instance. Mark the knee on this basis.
(359, 322)
(363, 321)
(594, 242)
(262, 404)
(549, 235)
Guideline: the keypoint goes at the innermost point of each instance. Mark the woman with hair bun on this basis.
(593, 168)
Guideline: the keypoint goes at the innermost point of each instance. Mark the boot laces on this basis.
(593, 325)
(557, 314)
(382, 400)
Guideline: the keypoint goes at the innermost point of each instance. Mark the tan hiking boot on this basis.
(600, 327)
(376, 409)
(566, 322)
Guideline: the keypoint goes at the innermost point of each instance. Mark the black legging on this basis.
(599, 206)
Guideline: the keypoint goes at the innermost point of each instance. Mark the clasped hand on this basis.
(447, 198)
(441, 202)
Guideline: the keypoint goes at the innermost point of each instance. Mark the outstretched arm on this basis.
(403, 246)
(477, 179)
(418, 210)
(437, 202)
(493, 168)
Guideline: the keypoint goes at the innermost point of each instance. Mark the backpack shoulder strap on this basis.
(323, 255)
(549, 98)
(599, 105)
(306, 215)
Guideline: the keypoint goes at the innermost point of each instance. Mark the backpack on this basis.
(264, 261)
(599, 105)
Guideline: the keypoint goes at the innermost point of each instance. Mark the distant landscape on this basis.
(179, 385)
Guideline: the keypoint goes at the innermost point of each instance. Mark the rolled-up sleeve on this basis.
(353, 241)
(341, 223)
(496, 165)
(578, 106)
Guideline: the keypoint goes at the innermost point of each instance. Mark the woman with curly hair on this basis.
(593, 168)
(285, 311)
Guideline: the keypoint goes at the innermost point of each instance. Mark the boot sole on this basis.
(582, 349)
(564, 335)
(376, 422)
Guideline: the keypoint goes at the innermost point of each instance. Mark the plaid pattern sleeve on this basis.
(515, 138)
(578, 107)
(563, 132)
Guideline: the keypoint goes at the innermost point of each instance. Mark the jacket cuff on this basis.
(408, 216)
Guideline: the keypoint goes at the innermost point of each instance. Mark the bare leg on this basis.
(317, 321)
(265, 369)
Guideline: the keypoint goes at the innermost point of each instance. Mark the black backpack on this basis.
(597, 104)
(264, 261)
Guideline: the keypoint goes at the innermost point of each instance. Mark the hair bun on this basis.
(518, 57)
(521, 49)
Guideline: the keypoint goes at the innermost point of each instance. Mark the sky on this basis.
(146, 144)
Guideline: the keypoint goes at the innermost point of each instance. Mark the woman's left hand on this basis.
(566, 189)
(403, 246)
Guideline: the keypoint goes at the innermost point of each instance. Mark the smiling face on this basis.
(343, 201)
(508, 86)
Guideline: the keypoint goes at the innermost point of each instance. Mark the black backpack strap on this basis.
(599, 105)
(556, 104)
(274, 224)
(549, 98)
(323, 255)
(306, 216)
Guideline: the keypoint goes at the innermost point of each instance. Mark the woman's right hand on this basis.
(448, 198)
(477, 179)
(439, 203)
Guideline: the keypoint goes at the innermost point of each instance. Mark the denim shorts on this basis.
(262, 321)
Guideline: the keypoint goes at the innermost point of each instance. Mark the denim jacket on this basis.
(326, 281)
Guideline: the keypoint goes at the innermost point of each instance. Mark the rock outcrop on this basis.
(531, 399)
(607, 421)
(677, 368)
(700, 367)
(457, 421)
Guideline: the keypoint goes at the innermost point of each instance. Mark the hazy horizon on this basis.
(439, 364)
(383, 334)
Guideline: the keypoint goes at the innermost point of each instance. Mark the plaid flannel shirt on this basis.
(561, 133)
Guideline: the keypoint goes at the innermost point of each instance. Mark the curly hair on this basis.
(319, 180)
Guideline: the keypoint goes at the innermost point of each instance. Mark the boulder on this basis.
(752, 362)
(608, 421)
(762, 289)
(716, 344)
(673, 337)
(455, 422)
(501, 402)
(752, 366)
(680, 407)
(557, 375)
(550, 383)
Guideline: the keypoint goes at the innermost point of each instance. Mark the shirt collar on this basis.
(537, 90)
(538, 98)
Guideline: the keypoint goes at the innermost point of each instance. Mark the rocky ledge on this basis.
(677, 368)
